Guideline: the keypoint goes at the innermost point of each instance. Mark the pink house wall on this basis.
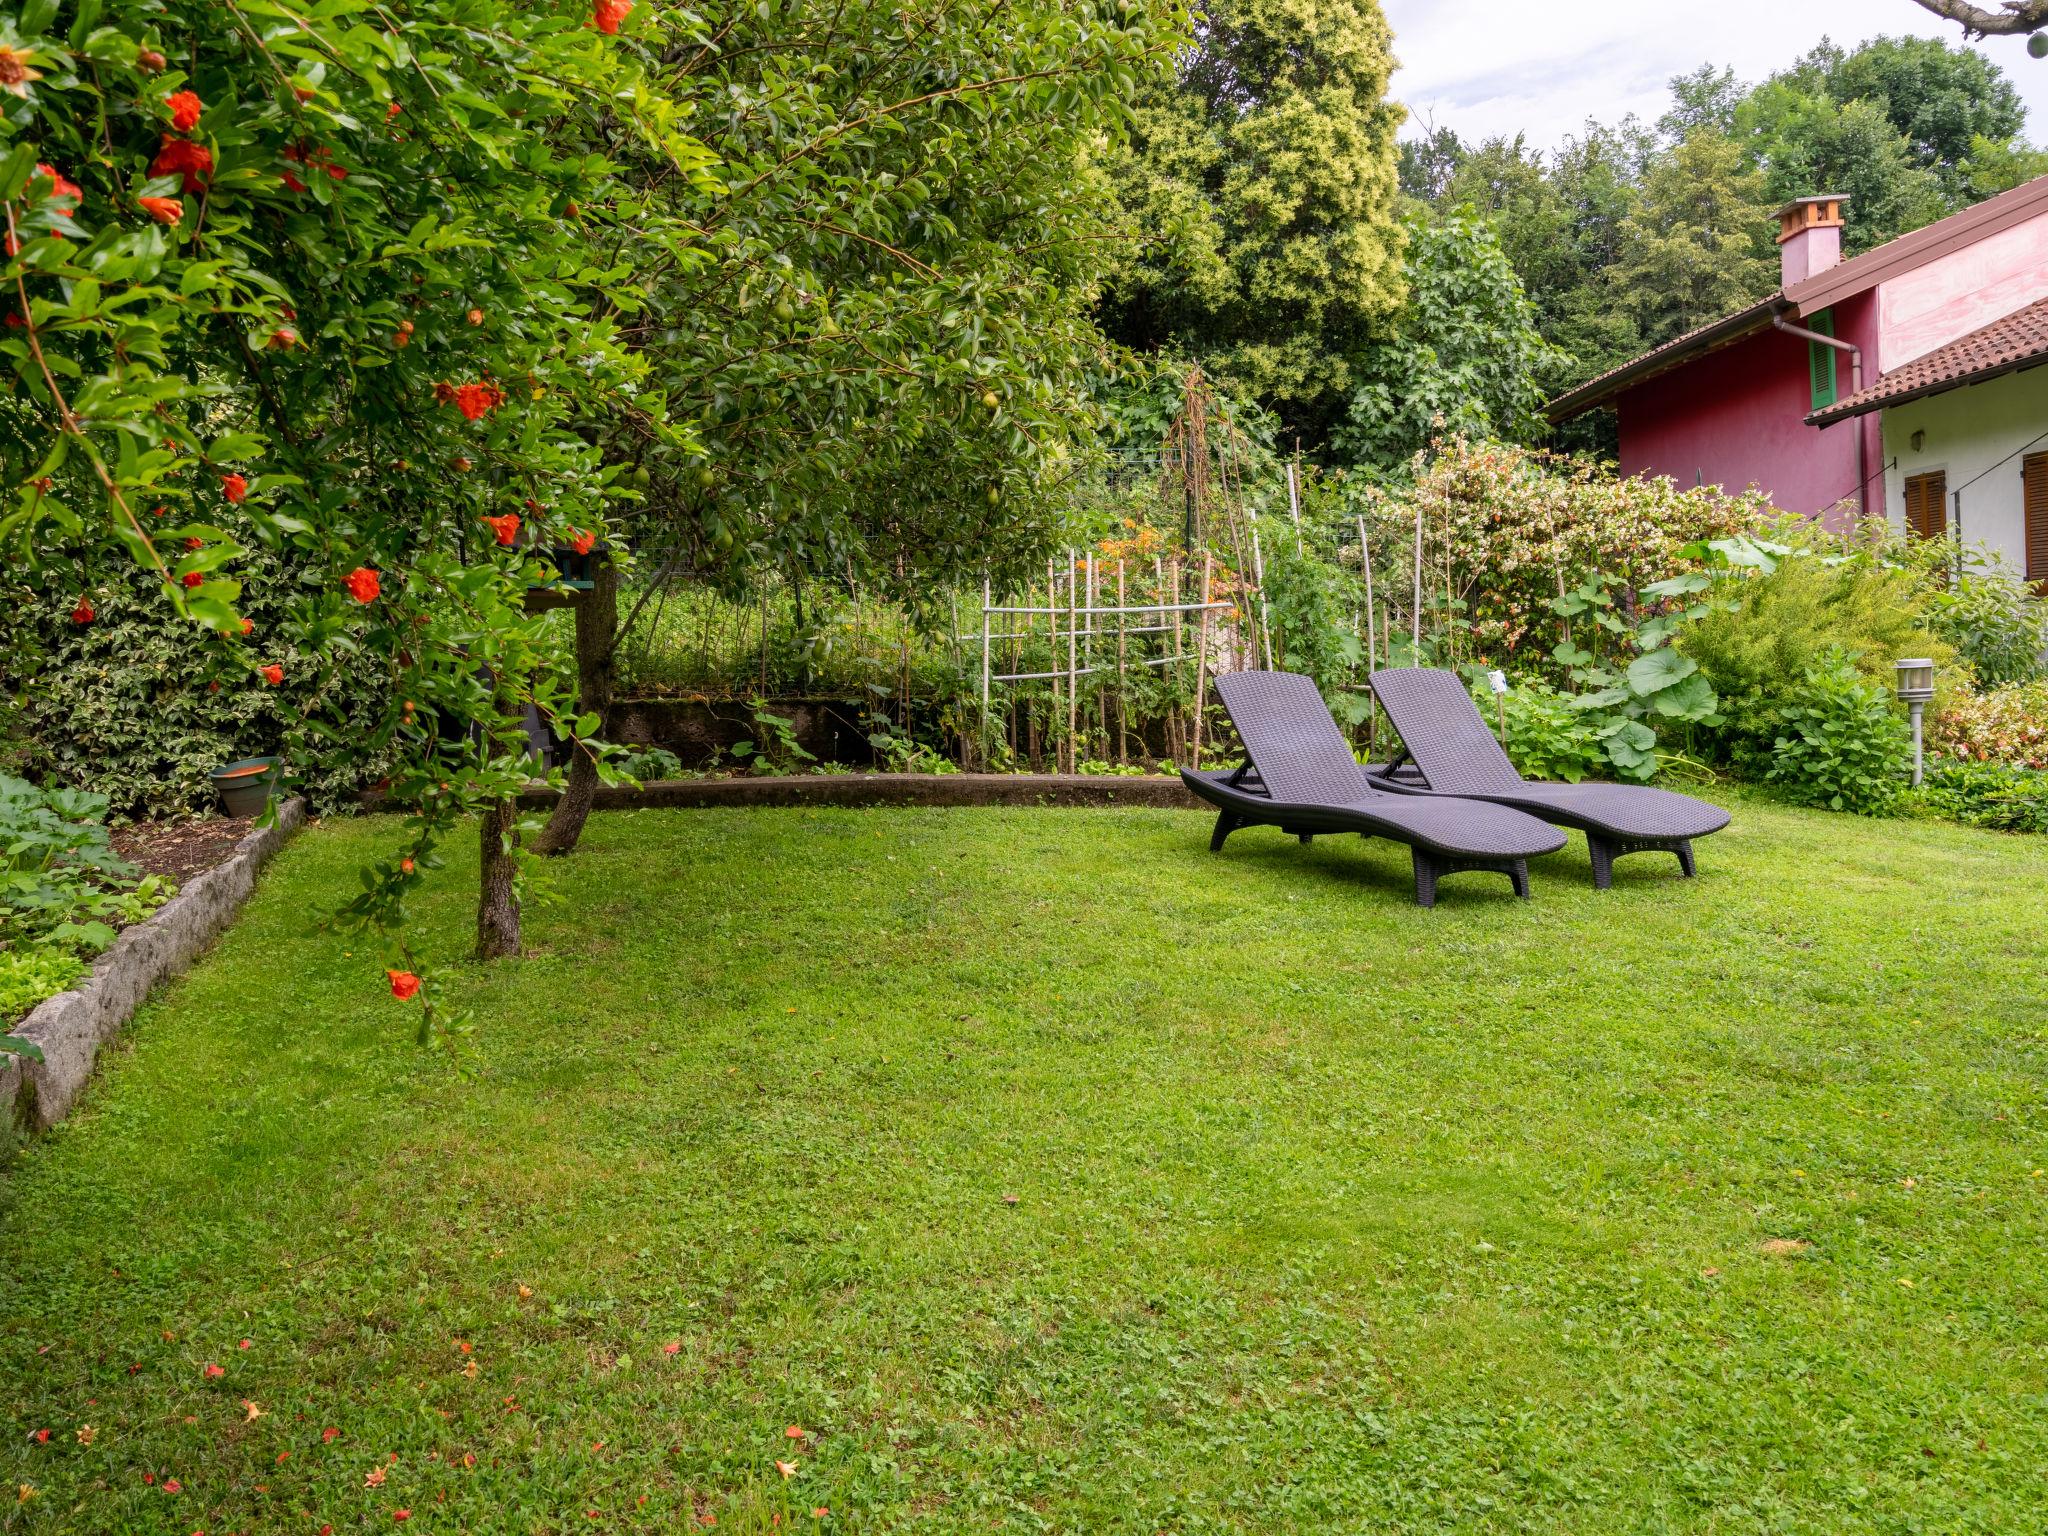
(1955, 294)
(1737, 418)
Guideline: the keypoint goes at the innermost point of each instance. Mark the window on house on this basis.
(1927, 504)
(2034, 477)
(1820, 360)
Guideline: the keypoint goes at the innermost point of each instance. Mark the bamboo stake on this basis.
(1073, 616)
(1265, 619)
(1201, 656)
(985, 669)
(1415, 638)
(1365, 559)
(1123, 708)
(1294, 501)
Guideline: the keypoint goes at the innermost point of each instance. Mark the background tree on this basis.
(1696, 244)
(1261, 183)
(1940, 98)
(889, 351)
(1464, 356)
(1803, 143)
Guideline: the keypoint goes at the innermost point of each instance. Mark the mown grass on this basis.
(1706, 1206)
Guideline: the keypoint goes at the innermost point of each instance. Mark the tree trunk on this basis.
(497, 907)
(597, 620)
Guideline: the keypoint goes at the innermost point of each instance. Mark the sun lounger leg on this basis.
(1605, 850)
(1226, 823)
(1432, 867)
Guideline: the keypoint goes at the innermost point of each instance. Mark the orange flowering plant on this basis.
(240, 256)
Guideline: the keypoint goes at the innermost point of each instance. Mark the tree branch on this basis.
(2013, 17)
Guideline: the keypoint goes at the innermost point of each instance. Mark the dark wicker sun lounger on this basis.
(1444, 735)
(1300, 776)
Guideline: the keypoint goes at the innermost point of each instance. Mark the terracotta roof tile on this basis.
(2003, 346)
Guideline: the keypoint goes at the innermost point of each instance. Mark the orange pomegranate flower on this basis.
(60, 186)
(607, 14)
(234, 487)
(165, 210)
(473, 400)
(506, 527)
(583, 542)
(181, 157)
(185, 109)
(404, 985)
(15, 74)
(362, 584)
(273, 674)
(82, 614)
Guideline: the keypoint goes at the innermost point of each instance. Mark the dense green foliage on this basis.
(1260, 184)
(1991, 615)
(1596, 1210)
(1985, 794)
(887, 346)
(137, 710)
(1696, 244)
(63, 892)
(1831, 738)
(1793, 614)
(1462, 357)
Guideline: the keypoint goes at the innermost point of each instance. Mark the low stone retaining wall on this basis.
(72, 1026)
(854, 789)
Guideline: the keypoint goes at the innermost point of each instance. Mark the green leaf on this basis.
(1659, 670)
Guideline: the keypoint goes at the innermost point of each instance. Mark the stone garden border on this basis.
(72, 1026)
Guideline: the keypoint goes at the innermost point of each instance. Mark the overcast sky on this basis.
(1542, 67)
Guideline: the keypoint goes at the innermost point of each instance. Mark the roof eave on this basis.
(1848, 410)
(1597, 392)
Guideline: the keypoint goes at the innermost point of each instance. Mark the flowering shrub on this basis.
(2005, 725)
(1507, 530)
(216, 231)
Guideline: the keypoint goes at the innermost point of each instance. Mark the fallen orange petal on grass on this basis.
(786, 1468)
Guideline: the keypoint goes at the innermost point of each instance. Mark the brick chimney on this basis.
(1809, 236)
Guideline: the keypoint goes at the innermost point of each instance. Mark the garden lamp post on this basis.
(1916, 687)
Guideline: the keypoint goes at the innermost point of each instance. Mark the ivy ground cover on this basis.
(1038, 1171)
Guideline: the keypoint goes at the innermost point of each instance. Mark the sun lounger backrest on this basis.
(1444, 732)
(1286, 728)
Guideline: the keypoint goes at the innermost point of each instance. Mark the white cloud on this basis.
(1542, 67)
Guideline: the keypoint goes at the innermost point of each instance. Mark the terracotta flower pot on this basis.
(246, 787)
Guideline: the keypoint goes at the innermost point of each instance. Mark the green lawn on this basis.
(1707, 1206)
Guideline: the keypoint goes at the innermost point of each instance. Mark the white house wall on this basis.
(1969, 431)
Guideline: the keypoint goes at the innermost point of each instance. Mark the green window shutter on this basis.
(1820, 361)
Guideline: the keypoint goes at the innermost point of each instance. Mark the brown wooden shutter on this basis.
(1927, 504)
(2034, 475)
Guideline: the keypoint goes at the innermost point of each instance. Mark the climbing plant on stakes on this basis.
(317, 277)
